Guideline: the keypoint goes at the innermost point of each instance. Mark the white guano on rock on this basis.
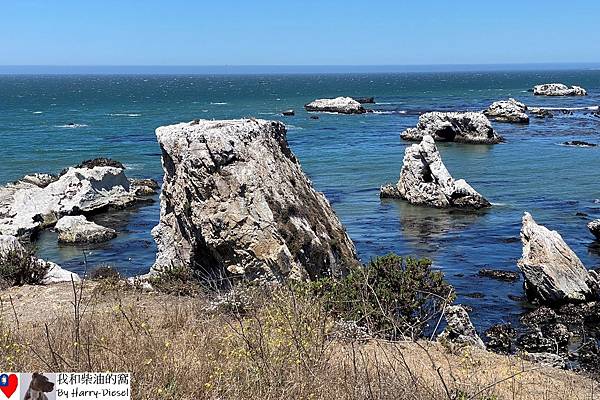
(341, 105)
(468, 127)
(424, 180)
(558, 89)
(509, 110)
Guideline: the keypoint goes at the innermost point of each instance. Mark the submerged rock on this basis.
(558, 89)
(460, 330)
(342, 105)
(508, 111)
(425, 180)
(500, 275)
(288, 113)
(594, 227)
(36, 203)
(541, 112)
(468, 127)
(579, 143)
(235, 202)
(54, 273)
(77, 229)
(553, 273)
(365, 100)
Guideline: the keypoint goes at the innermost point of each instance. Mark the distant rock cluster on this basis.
(558, 89)
(468, 127)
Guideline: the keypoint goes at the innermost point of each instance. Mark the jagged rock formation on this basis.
(53, 274)
(342, 105)
(468, 127)
(508, 111)
(553, 273)
(579, 143)
(365, 100)
(558, 89)
(38, 201)
(541, 112)
(236, 202)
(425, 180)
(460, 330)
(77, 229)
(594, 227)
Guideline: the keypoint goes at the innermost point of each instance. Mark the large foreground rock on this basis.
(468, 127)
(54, 273)
(460, 330)
(425, 180)
(38, 201)
(558, 89)
(594, 227)
(553, 273)
(342, 105)
(235, 201)
(509, 110)
(77, 229)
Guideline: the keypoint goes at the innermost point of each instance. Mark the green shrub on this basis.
(393, 297)
(105, 272)
(20, 267)
(177, 280)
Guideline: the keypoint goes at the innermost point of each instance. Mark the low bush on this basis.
(392, 297)
(20, 267)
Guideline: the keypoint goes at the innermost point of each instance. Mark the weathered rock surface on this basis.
(550, 359)
(425, 180)
(541, 112)
(500, 338)
(77, 229)
(38, 201)
(468, 127)
(594, 227)
(288, 113)
(236, 202)
(54, 273)
(342, 105)
(558, 89)
(460, 330)
(365, 100)
(509, 110)
(553, 273)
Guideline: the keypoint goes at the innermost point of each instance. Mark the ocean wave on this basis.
(71, 126)
(125, 115)
(389, 103)
(218, 103)
(382, 112)
(38, 112)
(291, 127)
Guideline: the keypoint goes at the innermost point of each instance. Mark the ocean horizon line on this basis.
(283, 69)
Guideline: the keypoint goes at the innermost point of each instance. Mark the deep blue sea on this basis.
(347, 158)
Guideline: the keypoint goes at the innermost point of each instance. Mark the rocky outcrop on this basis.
(469, 127)
(38, 201)
(500, 275)
(594, 227)
(235, 202)
(77, 229)
(288, 113)
(425, 180)
(579, 143)
(508, 111)
(460, 330)
(52, 272)
(342, 105)
(553, 273)
(558, 89)
(365, 100)
(541, 112)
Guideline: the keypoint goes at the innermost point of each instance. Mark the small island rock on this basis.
(468, 127)
(509, 110)
(342, 105)
(558, 89)
(77, 229)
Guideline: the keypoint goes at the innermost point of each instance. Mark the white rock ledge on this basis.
(558, 89)
(341, 105)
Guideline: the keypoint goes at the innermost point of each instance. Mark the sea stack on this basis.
(424, 180)
(594, 227)
(236, 203)
(553, 273)
(341, 105)
(558, 89)
(468, 127)
(509, 110)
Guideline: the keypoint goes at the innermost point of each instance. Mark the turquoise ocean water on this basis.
(347, 158)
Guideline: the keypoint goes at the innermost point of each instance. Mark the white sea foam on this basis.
(71, 126)
(388, 112)
(290, 127)
(218, 103)
(125, 115)
(38, 112)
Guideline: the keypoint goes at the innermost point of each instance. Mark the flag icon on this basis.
(9, 386)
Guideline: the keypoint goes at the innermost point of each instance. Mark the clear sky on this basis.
(306, 32)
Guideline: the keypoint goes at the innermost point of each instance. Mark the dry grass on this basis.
(280, 346)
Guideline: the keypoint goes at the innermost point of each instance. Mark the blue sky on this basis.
(307, 32)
